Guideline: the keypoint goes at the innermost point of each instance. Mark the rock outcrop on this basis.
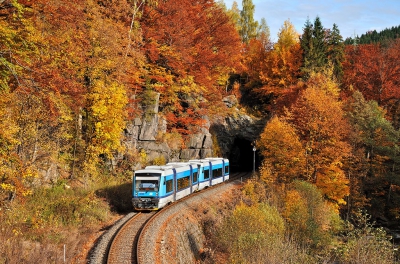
(141, 134)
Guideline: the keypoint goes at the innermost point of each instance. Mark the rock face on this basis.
(238, 126)
(141, 134)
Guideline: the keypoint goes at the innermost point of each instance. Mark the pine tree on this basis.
(306, 44)
(319, 52)
(248, 26)
(315, 47)
(336, 51)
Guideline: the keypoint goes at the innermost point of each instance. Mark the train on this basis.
(157, 186)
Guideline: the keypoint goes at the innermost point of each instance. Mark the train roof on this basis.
(207, 160)
(178, 164)
(156, 167)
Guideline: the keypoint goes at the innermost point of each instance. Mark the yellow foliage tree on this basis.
(17, 47)
(283, 63)
(310, 218)
(107, 111)
(282, 150)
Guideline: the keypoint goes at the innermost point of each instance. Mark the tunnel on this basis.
(242, 157)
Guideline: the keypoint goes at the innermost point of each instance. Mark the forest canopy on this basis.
(74, 74)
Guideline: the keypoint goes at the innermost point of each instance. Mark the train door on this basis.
(175, 180)
(211, 172)
(191, 179)
(195, 178)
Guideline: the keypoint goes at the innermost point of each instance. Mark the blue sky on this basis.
(353, 17)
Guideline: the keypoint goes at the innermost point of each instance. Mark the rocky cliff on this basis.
(141, 134)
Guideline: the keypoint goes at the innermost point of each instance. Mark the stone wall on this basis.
(141, 134)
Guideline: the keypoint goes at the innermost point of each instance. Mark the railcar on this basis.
(156, 186)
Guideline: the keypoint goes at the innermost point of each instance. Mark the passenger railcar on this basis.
(156, 186)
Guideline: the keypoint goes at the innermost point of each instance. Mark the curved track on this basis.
(128, 245)
(124, 244)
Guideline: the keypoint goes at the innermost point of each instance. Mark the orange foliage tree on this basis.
(281, 69)
(191, 47)
(373, 69)
(323, 129)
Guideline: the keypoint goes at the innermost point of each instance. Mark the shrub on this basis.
(249, 230)
(311, 220)
(365, 244)
(254, 191)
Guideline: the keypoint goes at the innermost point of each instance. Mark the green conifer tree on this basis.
(248, 26)
(306, 44)
(315, 48)
(336, 52)
(319, 52)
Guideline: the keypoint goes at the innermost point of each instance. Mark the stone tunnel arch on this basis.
(242, 156)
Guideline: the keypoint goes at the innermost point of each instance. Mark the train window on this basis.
(183, 183)
(217, 173)
(170, 186)
(206, 174)
(195, 176)
(226, 169)
(146, 185)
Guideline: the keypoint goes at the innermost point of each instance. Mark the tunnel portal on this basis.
(241, 156)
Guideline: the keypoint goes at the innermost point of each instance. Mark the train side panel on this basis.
(183, 183)
(226, 170)
(166, 194)
(156, 186)
(216, 172)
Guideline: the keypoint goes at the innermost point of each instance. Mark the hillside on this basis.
(375, 37)
(93, 90)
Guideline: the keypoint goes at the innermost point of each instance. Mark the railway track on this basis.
(138, 240)
(124, 244)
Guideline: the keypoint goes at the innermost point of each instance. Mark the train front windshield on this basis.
(146, 185)
(147, 181)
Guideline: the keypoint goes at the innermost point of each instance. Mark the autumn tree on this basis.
(310, 219)
(282, 151)
(192, 57)
(373, 70)
(106, 79)
(251, 230)
(234, 14)
(323, 135)
(280, 70)
(17, 47)
(378, 140)
(264, 35)
(286, 52)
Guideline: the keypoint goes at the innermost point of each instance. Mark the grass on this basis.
(68, 213)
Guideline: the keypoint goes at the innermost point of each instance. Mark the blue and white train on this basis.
(156, 186)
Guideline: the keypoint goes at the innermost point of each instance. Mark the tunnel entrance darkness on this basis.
(241, 156)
